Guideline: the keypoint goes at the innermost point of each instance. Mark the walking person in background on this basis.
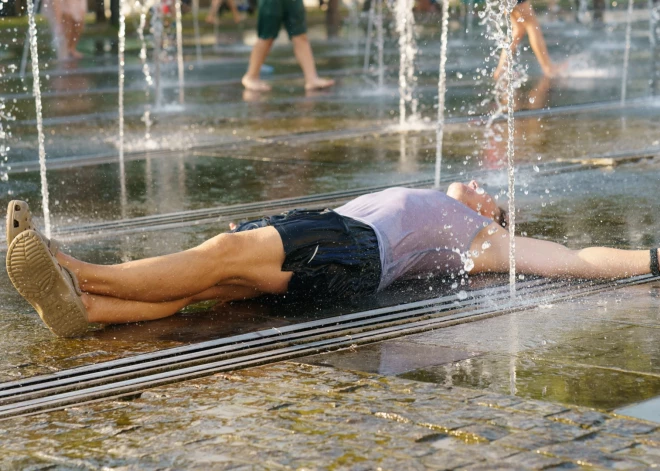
(272, 14)
(212, 14)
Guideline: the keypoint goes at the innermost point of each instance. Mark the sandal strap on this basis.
(74, 280)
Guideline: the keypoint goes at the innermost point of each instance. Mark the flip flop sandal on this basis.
(19, 219)
(50, 288)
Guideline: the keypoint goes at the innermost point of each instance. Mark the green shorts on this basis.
(272, 13)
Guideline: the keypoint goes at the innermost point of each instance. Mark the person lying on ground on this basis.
(355, 250)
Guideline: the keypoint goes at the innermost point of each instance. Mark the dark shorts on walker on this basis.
(331, 256)
(273, 13)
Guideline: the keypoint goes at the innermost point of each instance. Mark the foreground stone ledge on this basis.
(293, 416)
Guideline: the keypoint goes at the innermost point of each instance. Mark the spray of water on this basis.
(367, 49)
(626, 53)
(442, 87)
(198, 41)
(405, 27)
(380, 39)
(179, 50)
(510, 156)
(497, 18)
(122, 50)
(5, 118)
(582, 11)
(654, 18)
(157, 33)
(36, 91)
(146, 117)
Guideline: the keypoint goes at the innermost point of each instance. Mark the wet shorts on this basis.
(272, 13)
(331, 256)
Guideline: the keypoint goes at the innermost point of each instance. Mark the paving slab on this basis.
(276, 416)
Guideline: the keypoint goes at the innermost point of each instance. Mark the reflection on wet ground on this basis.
(227, 147)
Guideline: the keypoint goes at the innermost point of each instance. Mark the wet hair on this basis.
(501, 218)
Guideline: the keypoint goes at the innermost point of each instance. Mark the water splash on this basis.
(442, 88)
(121, 54)
(405, 27)
(510, 153)
(367, 48)
(36, 91)
(497, 18)
(626, 53)
(380, 43)
(582, 11)
(157, 34)
(146, 117)
(494, 17)
(5, 118)
(198, 41)
(654, 39)
(179, 50)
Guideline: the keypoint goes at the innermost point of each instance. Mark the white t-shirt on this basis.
(419, 231)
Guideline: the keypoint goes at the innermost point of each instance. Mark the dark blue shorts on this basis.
(331, 256)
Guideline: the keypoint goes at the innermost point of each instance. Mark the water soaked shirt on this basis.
(419, 231)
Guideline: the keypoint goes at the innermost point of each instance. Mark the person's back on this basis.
(419, 231)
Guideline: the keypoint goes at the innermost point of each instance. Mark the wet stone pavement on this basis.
(297, 416)
(547, 388)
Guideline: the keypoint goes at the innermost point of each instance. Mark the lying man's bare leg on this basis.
(108, 310)
(252, 259)
(545, 258)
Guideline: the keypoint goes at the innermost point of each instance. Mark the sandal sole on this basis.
(38, 277)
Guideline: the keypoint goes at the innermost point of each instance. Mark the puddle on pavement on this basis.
(647, 410)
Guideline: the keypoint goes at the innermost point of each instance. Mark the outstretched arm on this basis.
(549, 259)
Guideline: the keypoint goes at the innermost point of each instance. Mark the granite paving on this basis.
(299, 416)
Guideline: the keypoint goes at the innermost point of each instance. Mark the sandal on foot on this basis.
(50, 288)
(19, 219)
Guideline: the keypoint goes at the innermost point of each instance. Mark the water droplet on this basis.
(485, 245)
(461, 295)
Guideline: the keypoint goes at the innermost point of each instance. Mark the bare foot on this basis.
(255, 85)
(211, 20)
(75, 54)
(319, 83)
(555, 69)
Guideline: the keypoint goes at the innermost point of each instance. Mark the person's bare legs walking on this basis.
(524, 21)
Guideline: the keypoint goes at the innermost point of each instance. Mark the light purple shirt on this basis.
(418, 231)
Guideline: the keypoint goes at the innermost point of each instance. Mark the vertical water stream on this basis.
(510, 151)
(626, 53)
(179, 50)
(442, 86)
(122, 50)
(36, 91)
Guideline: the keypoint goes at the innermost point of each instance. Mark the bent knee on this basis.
(254, 256)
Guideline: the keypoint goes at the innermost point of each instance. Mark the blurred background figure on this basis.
(272, 15)
(524, 21)
(67, 21)
(212, 16)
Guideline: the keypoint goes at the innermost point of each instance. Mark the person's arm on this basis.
(549, 259)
